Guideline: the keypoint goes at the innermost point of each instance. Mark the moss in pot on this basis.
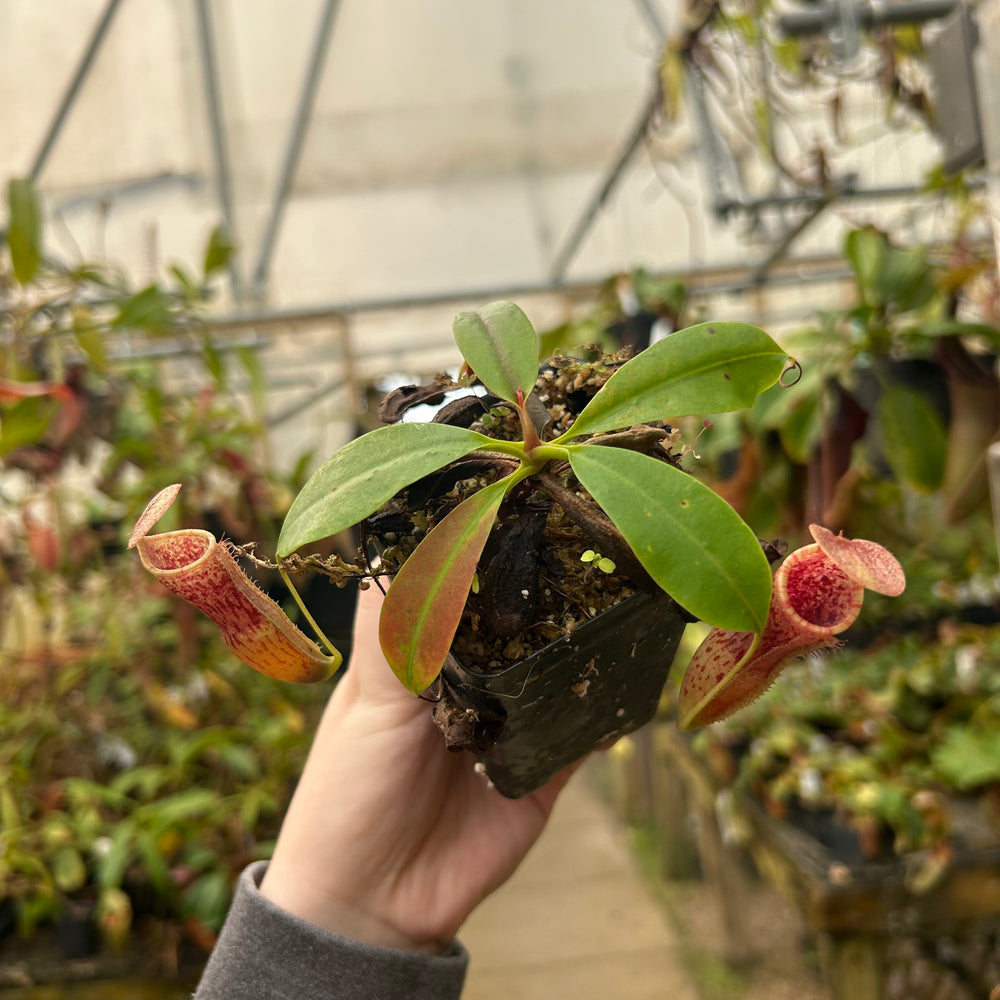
(483, 527)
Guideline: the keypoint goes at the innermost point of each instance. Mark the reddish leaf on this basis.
(11, 392)
(425, 602)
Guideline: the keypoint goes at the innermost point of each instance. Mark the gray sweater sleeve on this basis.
(264, 953)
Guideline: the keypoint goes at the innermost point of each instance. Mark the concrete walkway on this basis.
(576, 920)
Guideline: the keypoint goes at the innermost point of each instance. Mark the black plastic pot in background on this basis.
(76, 930)
(573, 696)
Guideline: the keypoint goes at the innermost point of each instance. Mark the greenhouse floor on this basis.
(577, 919)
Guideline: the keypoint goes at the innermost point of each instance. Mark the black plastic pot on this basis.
(76, 930)
(571, 697)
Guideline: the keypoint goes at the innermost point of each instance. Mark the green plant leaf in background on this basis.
(214, 362)
(968, 757)
(569, 338)
(793, 412)
(208, 898)
(690, 541)
(948, 327)
(69, 872)
(90, 337)
(368, 471)
(154, 866)
(913, 438)
(887, 275)
(709, 368)
(865, 251)
(250, 362)
(800, 432)
(907, 280)
(112, 864)
(24, 229)
(500, 345)
(147, 310)
(424, 605)
(660, 293)
(189, 288)
(26, 422)
(219, 252)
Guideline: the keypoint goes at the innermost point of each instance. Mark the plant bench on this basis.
(855, 911)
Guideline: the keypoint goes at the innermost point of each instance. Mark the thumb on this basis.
(371, 671)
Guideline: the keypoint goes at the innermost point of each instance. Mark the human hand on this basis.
(390, 838)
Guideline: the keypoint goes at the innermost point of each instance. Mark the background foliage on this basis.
(141, 766)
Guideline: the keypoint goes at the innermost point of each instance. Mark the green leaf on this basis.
(147, 779)
(148, 309)
(250, 361)
(90, 274)
(156, 868)
(367, 472)
(888, 276)
(425, 601)
(240, 760)
(208, 898)
(913, 438)
(500, 345)
(112, 865)
(801, 431)
(709, 368)
(865, 250)
(24, 229)
(947, 327)
(168, 812)
(656, 291)
(219, 251)
(214, 362)
(690, 541)
(26, 422)
(774, 405)
(967, 757)
(90, 338)
(906, 281)
(68, 869)
(190, 289)
(569, 338)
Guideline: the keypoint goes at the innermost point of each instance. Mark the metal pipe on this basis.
(217, 130)
(844, 192)
(726, 279)
(869, 15)
(129, 187)
(293, 149)
(75, 83)
(176, 349)
(301, 405)
(608, 184)
(759, 272)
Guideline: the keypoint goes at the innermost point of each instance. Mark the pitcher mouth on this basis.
(816, 593)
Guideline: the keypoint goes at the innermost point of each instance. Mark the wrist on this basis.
(353, 920)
